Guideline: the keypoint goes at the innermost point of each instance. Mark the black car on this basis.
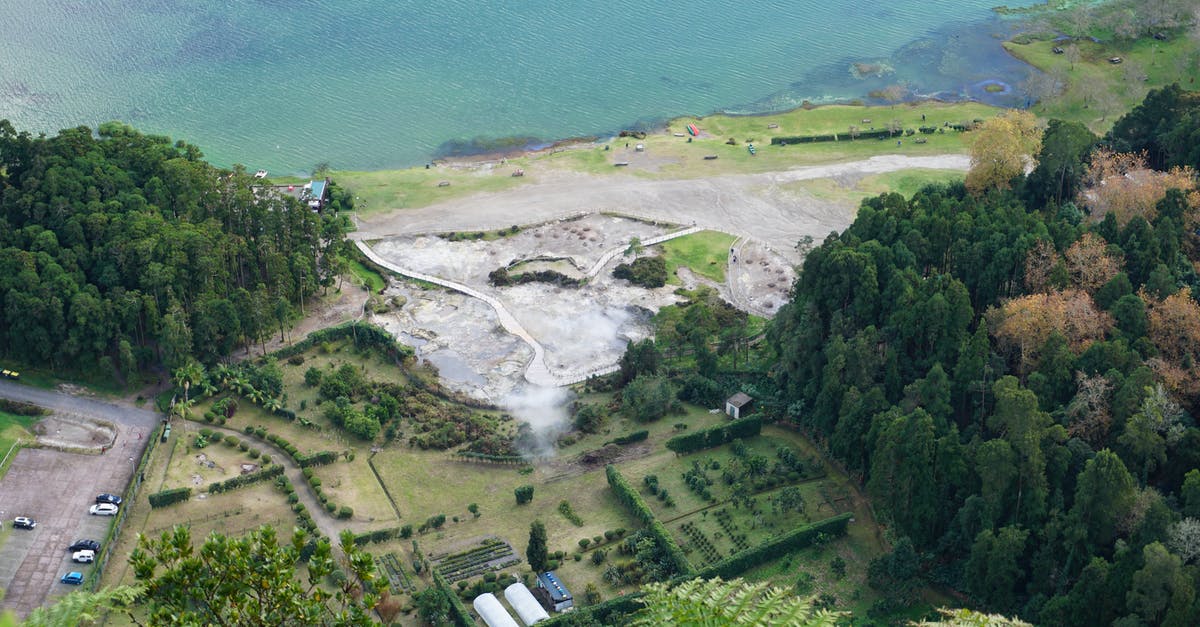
(109, 498)
(84, 545)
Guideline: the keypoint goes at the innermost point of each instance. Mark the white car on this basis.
(104, 509)
(83, 557)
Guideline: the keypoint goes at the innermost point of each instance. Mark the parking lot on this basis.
(56, 489)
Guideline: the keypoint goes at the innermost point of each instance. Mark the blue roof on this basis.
(557, 591)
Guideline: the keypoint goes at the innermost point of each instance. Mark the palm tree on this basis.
(272, 404)
(188, 375)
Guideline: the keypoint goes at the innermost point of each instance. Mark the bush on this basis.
(170, 497)
(244, 480)
(584, 542)
(296, 360)
(406, 532)
(648, 272)
(316, 459)
(524, 494)
(598, 557)
(330, 506)
(345, 512)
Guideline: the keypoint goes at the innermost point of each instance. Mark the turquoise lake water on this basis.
(365, 84)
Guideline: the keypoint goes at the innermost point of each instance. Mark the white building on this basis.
(521, 599)
(489, 609)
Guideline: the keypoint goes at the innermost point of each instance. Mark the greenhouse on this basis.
(521, 599)
(489, 609)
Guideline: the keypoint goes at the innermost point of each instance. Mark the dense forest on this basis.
(121, 252)
(1010, 367)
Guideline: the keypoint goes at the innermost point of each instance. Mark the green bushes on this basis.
(829, 137)
(798, 538)
(645, 271)
(245, 480)
(524, 494)
(364, 336)
(170, 497)
(715, 436)
(316, 459)
(380, 535)
(630, 438)
(564, 508)
(485, 457)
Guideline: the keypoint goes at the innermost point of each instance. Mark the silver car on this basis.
(104, 509)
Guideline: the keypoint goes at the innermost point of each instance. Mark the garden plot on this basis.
(489, 555)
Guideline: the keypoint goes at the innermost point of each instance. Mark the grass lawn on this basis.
(13, 428)
(1098, 92)
(706, 253)
(384, 190)
(903, 182)
(366, 276)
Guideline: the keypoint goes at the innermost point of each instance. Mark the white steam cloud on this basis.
(544, 409)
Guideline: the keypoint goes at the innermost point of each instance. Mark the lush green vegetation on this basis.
(1012, 376)
(122, 251)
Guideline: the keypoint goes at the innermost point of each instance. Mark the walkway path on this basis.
(536, 372)
(66, 403)
(736, 295)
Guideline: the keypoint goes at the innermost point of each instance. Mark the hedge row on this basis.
(21, 409)
(458, 611)
(319, 458)
(365, 336)
(234, 483)
(798, 538)
(170, 497)
(630, 438)
(633, 501)
(485, 457)
(715, 436)
(833, 137)
(377, 536)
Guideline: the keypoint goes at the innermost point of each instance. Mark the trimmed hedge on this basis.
(715, 436)
(245, 480)
(632, 500)
(798, 538)
(377, 536)
(170, 497)
(458, 611)
(319, 458)
(600, 612)
(485, 457)
(833, 137)
(630, 438)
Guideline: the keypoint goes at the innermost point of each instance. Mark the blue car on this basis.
(74, 578)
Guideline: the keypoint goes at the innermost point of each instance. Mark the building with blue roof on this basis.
(553, 593)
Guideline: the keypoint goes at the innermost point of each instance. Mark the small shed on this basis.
(736, 403)
(528, 609)
(489, 609)
(553, 592)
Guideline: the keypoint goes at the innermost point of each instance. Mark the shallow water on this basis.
(360, 84)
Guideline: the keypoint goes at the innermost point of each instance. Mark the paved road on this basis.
(67, 403)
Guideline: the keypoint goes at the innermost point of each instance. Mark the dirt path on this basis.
(756, 205)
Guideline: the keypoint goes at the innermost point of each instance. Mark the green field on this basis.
(706, 253)
(1097, 92)
(12, 429)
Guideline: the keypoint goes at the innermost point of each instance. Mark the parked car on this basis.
(74, 578)
(21, 522)
(108, 498)
(79, 545)
(86, 556)
(104, 509)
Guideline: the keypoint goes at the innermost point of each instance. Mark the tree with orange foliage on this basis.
(1122, 184)
(1090, 264)
(1024, 324)
(1039, 264)
(1000, 148)
(1174, 325)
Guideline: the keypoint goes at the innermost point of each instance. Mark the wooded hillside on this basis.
(121, 251)
(1013, 375)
